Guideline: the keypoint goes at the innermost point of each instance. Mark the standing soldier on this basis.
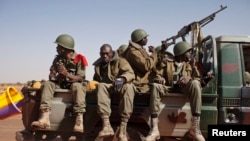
(143, 65)
(68, 72)
(114, 75)
(188, 80)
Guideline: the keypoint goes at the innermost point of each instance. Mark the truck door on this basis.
(208, 59)
(245, 100)
(233, 101)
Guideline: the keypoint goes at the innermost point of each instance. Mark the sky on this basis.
(30, 27)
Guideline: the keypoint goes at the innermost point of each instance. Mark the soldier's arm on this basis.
(126, 70)
(78, 77)
(142, 64)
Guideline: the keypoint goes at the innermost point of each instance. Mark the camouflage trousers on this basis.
(127, 93)
(78, 92)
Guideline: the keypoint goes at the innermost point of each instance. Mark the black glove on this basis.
(119, 83)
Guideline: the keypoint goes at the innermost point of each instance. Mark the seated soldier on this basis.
(189, 82)
(68, 72)
(165, 64)
(247, 70)
(122, 48)
(114, 74)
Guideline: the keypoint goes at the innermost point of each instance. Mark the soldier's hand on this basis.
(62, 70)
(151, 49)
(119, 83)
(164, 45)
(184, 80)
(210, 74)
(160, 80)
(52, 75)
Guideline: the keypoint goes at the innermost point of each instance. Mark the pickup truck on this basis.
(225, 100)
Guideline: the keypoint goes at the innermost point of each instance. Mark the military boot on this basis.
(154, 133)
(107, 130)
(195, 129)
(43, 121)
(121, 133)
(78, 127)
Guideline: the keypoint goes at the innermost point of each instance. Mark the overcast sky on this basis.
(30, 27)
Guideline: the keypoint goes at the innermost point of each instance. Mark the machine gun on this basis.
(186, 29)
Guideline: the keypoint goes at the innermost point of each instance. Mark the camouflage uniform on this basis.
(66, 73)
(78, 88)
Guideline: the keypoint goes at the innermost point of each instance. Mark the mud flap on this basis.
(30, 108)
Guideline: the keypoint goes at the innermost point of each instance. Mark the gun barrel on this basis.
(186, 29)
(210, 17)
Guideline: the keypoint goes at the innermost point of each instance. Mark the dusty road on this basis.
(9, 127)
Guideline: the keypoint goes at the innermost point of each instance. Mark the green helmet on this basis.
(138, 35)
(181, 47)
(158, 48)
(65, 41)
(122, 48)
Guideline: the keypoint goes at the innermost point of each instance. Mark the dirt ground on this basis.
(9, 127)
(12, 125)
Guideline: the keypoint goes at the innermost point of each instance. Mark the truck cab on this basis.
(225, 98)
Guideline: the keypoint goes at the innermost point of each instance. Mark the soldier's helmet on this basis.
(65, 41)
(181, 47)
(122, 48)
(138, 35)
(158, 48)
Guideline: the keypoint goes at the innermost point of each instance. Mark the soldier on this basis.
(165, 64)
(143, 65)
(114, 75)
(67, 71)
(189, 81)
(122, 48)
(247, 70)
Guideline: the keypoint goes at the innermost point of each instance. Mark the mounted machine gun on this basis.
(186, 29)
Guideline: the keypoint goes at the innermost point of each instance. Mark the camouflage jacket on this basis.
(72, 67)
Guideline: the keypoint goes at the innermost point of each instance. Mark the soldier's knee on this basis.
(128, 89)
(196, 83)
(76, 86)
(47, 84)
(100, 85)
